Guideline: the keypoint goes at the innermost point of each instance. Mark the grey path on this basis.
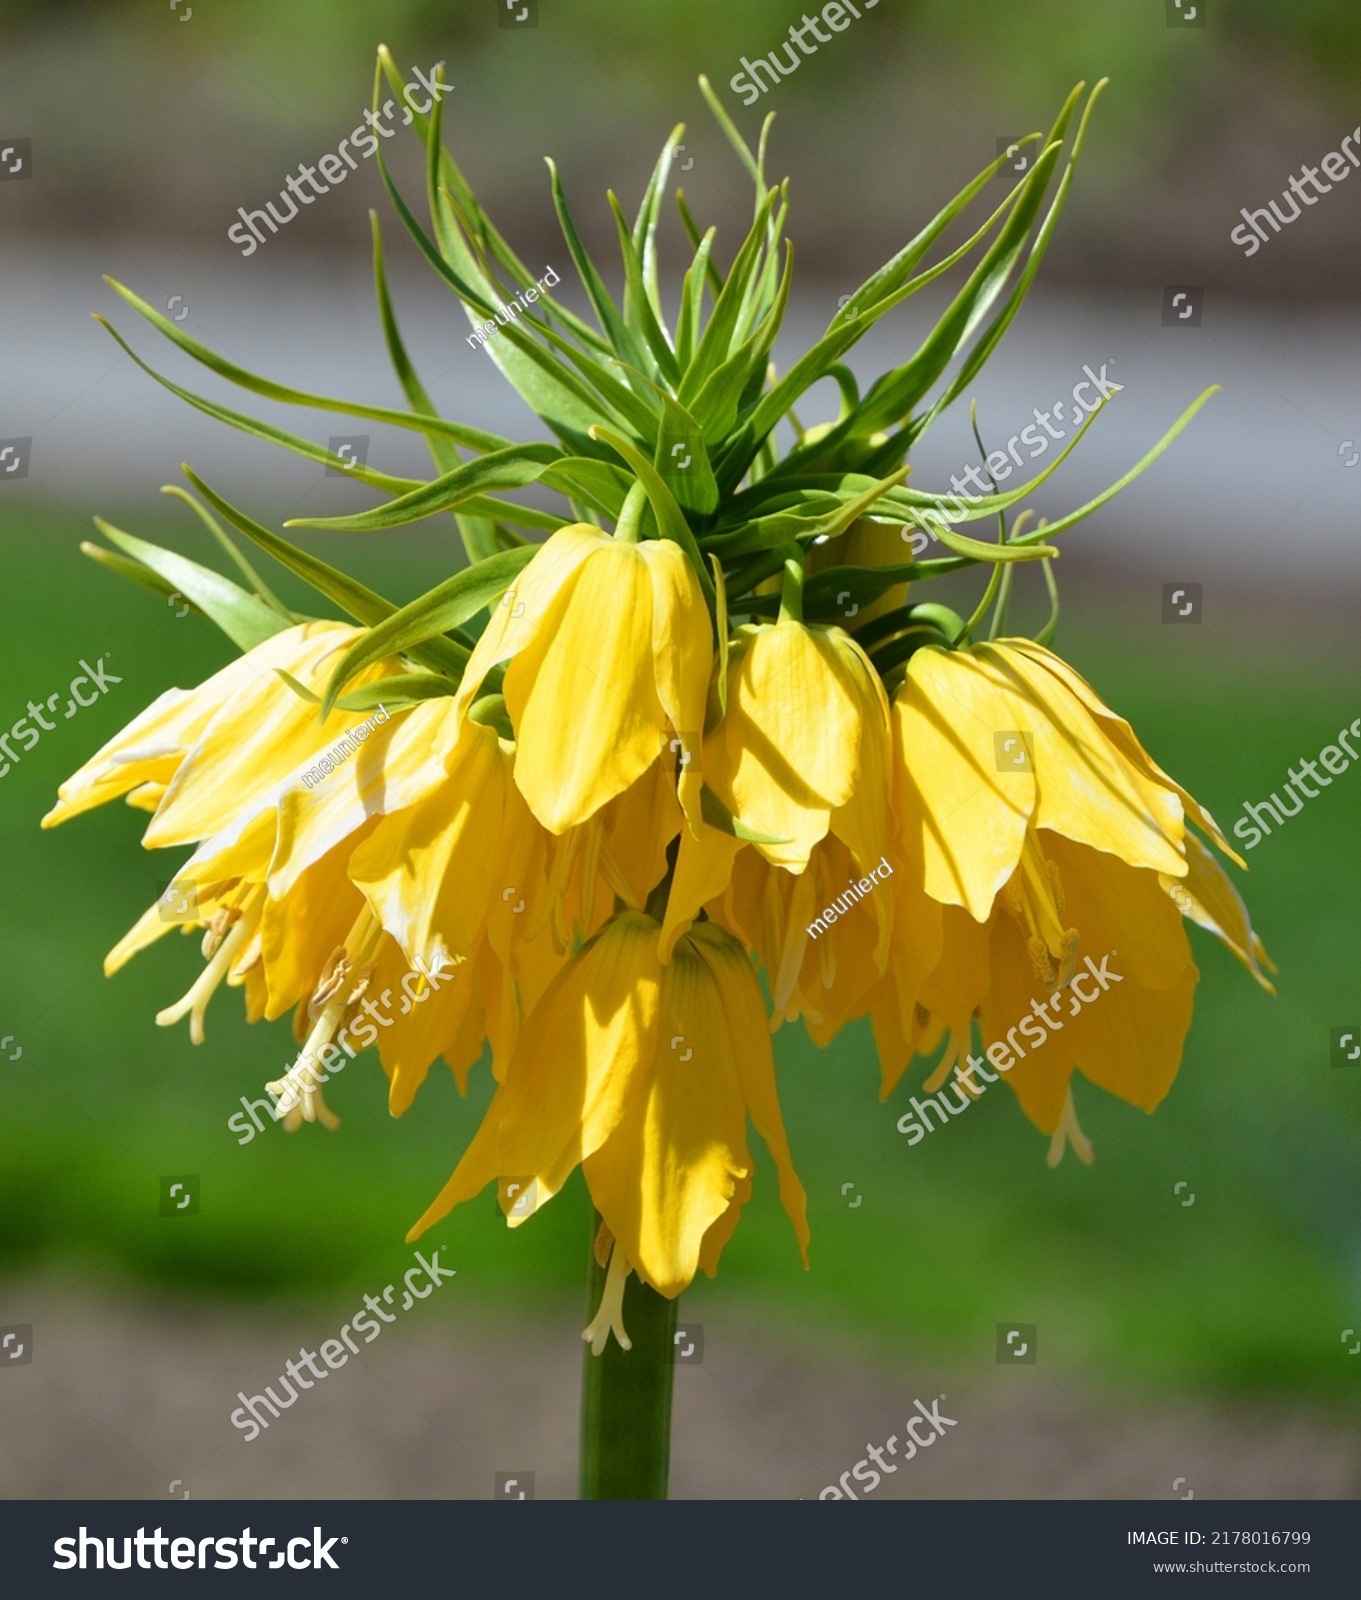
(126, 1396)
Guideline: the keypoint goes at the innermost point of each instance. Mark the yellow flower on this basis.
(643, 1074)
(610, 651)
(805, 712)
(1061, 858)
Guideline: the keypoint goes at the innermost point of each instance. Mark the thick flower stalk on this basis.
(677, 763)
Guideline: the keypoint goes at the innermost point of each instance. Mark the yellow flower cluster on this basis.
(613, 841)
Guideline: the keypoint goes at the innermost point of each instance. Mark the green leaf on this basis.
(263, 430)
(601, 484)
(549, 388)
(735, 139)
(784, 526)
(638, 312)
(243, 566)
(125, 567)
(895, 393)
(692, 300)
(245, 620)
(512, 468)
(645, 226)
(812, 365)
(989, 342)
(715, 343)
(353, 598)
(825, 592)
(1050, 529)
(404, 690)
(683, 461)
(430, 615)
(621, 338)
(895, 273)
(474, 438)
(442, 172)
(717, 403)
(443, 451)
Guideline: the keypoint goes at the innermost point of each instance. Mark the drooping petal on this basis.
(669, 1168)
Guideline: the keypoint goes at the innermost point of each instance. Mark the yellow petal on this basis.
(433, 870)
(787, 753)
(744, 1012)
(258, 738)
(670, 1166)
(963, 816)
(582, 693)
(1085, 787)
(1207, 896)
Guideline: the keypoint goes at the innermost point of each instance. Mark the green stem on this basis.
(630, 525)
(791, 592)
(626, 1396)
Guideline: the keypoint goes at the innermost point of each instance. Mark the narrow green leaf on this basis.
(245, 620)
(126, 567)
(229, 544)
(638, 312)
(734, 138)
(621, 338)
(443, 451)
(404, 690)
(353, 598)
(502, 469)
(601, 484)
(716, 341)
(895, 272)
(683, 462)
(645, 227)
(1048, 530)
(430, 615)
(474, 438)
(717, 404)
(692, 301)
(263, 430)
(712, 276)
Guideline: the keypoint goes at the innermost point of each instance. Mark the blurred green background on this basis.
(149, 133)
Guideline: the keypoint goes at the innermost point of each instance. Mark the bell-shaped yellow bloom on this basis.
(610, 651)
(805, 712)
(995, 743)
(643, 1074)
